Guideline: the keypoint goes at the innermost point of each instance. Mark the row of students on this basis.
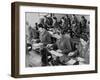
(67, 27)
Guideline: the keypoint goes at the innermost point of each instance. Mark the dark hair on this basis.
(63, 18)
(40, 26)
(55, 18)
(45, 16)
(73, 14)
(88, 22)
(36, 26)
(51, 14)
(36, 23)
(83, 17)
(67, 15)
(84, 36)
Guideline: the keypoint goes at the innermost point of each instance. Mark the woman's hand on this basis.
(71, 53)
(49, 45)
(59, 51)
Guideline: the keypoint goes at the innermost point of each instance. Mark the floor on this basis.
(33, 59)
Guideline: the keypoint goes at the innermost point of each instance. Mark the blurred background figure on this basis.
(64, 26)
(45, 36)
(55, 24)
(88, 29)
(84, 50)
(36, 26)
(48, 20)
(68, 21)
(83, 24)
(74, 25)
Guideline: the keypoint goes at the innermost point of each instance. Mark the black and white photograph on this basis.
(51, 39)
(55, 39)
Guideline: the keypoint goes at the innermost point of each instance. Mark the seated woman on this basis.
(45, 36)
(64, 43)
(66, 46)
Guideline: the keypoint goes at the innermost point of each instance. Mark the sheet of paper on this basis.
(56, 53)
(80, 59)
(71, 61)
